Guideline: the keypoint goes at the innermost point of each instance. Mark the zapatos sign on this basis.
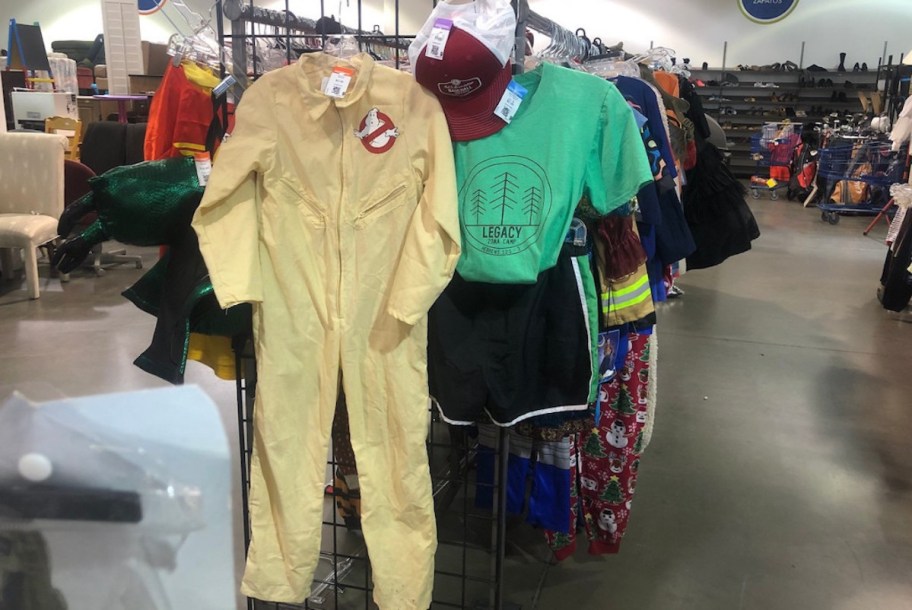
(147, 7)
(767, 11)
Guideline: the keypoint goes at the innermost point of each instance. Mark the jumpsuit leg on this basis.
(385, 381)
(297, 377)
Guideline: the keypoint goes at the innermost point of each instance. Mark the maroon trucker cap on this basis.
(469, 82)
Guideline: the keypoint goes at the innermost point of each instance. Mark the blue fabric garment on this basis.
(541, 468)
(643, 98)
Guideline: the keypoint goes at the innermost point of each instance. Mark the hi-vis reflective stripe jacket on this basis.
(626, 299)
(338, 219)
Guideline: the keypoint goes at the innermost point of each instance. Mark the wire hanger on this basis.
(200, 44)
(610, 67)
(564, 46)
(657, 58)
(343, 46)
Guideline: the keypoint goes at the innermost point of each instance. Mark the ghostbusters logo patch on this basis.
(377, 132)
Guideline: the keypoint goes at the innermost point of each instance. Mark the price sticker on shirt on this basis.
(203, 167)
(511, 100)
(439, 36)
(338, 81)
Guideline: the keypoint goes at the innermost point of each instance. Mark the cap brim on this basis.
(472, 119)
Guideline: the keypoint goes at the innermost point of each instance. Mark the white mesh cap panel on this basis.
(490, 21)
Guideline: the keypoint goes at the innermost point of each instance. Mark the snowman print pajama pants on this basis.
(608, 457)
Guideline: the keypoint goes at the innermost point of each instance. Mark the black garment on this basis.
(674, 240)
(720, 220)
(695, 112)
(511, 350)
(177, 290)
(107, 144)
(896, 280)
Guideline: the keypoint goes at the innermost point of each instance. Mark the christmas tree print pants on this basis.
(608, 457)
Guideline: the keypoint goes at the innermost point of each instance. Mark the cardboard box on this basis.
(144, 84)
(101, 71)
(91, 110)
(155, 58)
(102, 84)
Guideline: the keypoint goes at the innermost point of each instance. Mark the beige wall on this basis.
(698, 29)
(694, 28)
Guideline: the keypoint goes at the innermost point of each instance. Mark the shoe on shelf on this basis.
(816, 68)
(849, 85)
(841, 66)
(789, 66)
(856, 67)
(864, 67)
(766, 85)
(705, 66)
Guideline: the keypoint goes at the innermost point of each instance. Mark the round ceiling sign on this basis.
(767, 11)
(147, 7)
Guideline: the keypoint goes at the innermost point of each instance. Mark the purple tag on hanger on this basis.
(438, 38)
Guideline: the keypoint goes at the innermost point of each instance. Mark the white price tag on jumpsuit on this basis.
(338, 82)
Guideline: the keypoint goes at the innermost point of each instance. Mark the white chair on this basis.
(31, 198)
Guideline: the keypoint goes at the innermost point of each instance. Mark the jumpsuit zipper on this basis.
(382, 202)
(340, 222)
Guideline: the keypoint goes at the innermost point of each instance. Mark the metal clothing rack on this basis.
(243, 14)
(465, 534)
(576, 46)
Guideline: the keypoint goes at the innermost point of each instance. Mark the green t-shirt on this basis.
(573, 135)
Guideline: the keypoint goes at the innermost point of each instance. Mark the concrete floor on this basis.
(780, 473)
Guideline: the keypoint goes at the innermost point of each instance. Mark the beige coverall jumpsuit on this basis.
(338, 220)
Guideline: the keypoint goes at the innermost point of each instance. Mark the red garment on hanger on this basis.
(179, 117)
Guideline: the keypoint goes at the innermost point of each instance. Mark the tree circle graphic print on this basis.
(505, 201)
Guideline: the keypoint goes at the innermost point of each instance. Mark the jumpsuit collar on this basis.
(314, 67)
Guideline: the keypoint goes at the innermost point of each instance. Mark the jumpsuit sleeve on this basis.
(226, 221)
(432, 243)
(617, 167)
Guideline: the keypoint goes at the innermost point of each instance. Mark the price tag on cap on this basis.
(439, 36)
(511, 100)
(338, 81)
(203, 167)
